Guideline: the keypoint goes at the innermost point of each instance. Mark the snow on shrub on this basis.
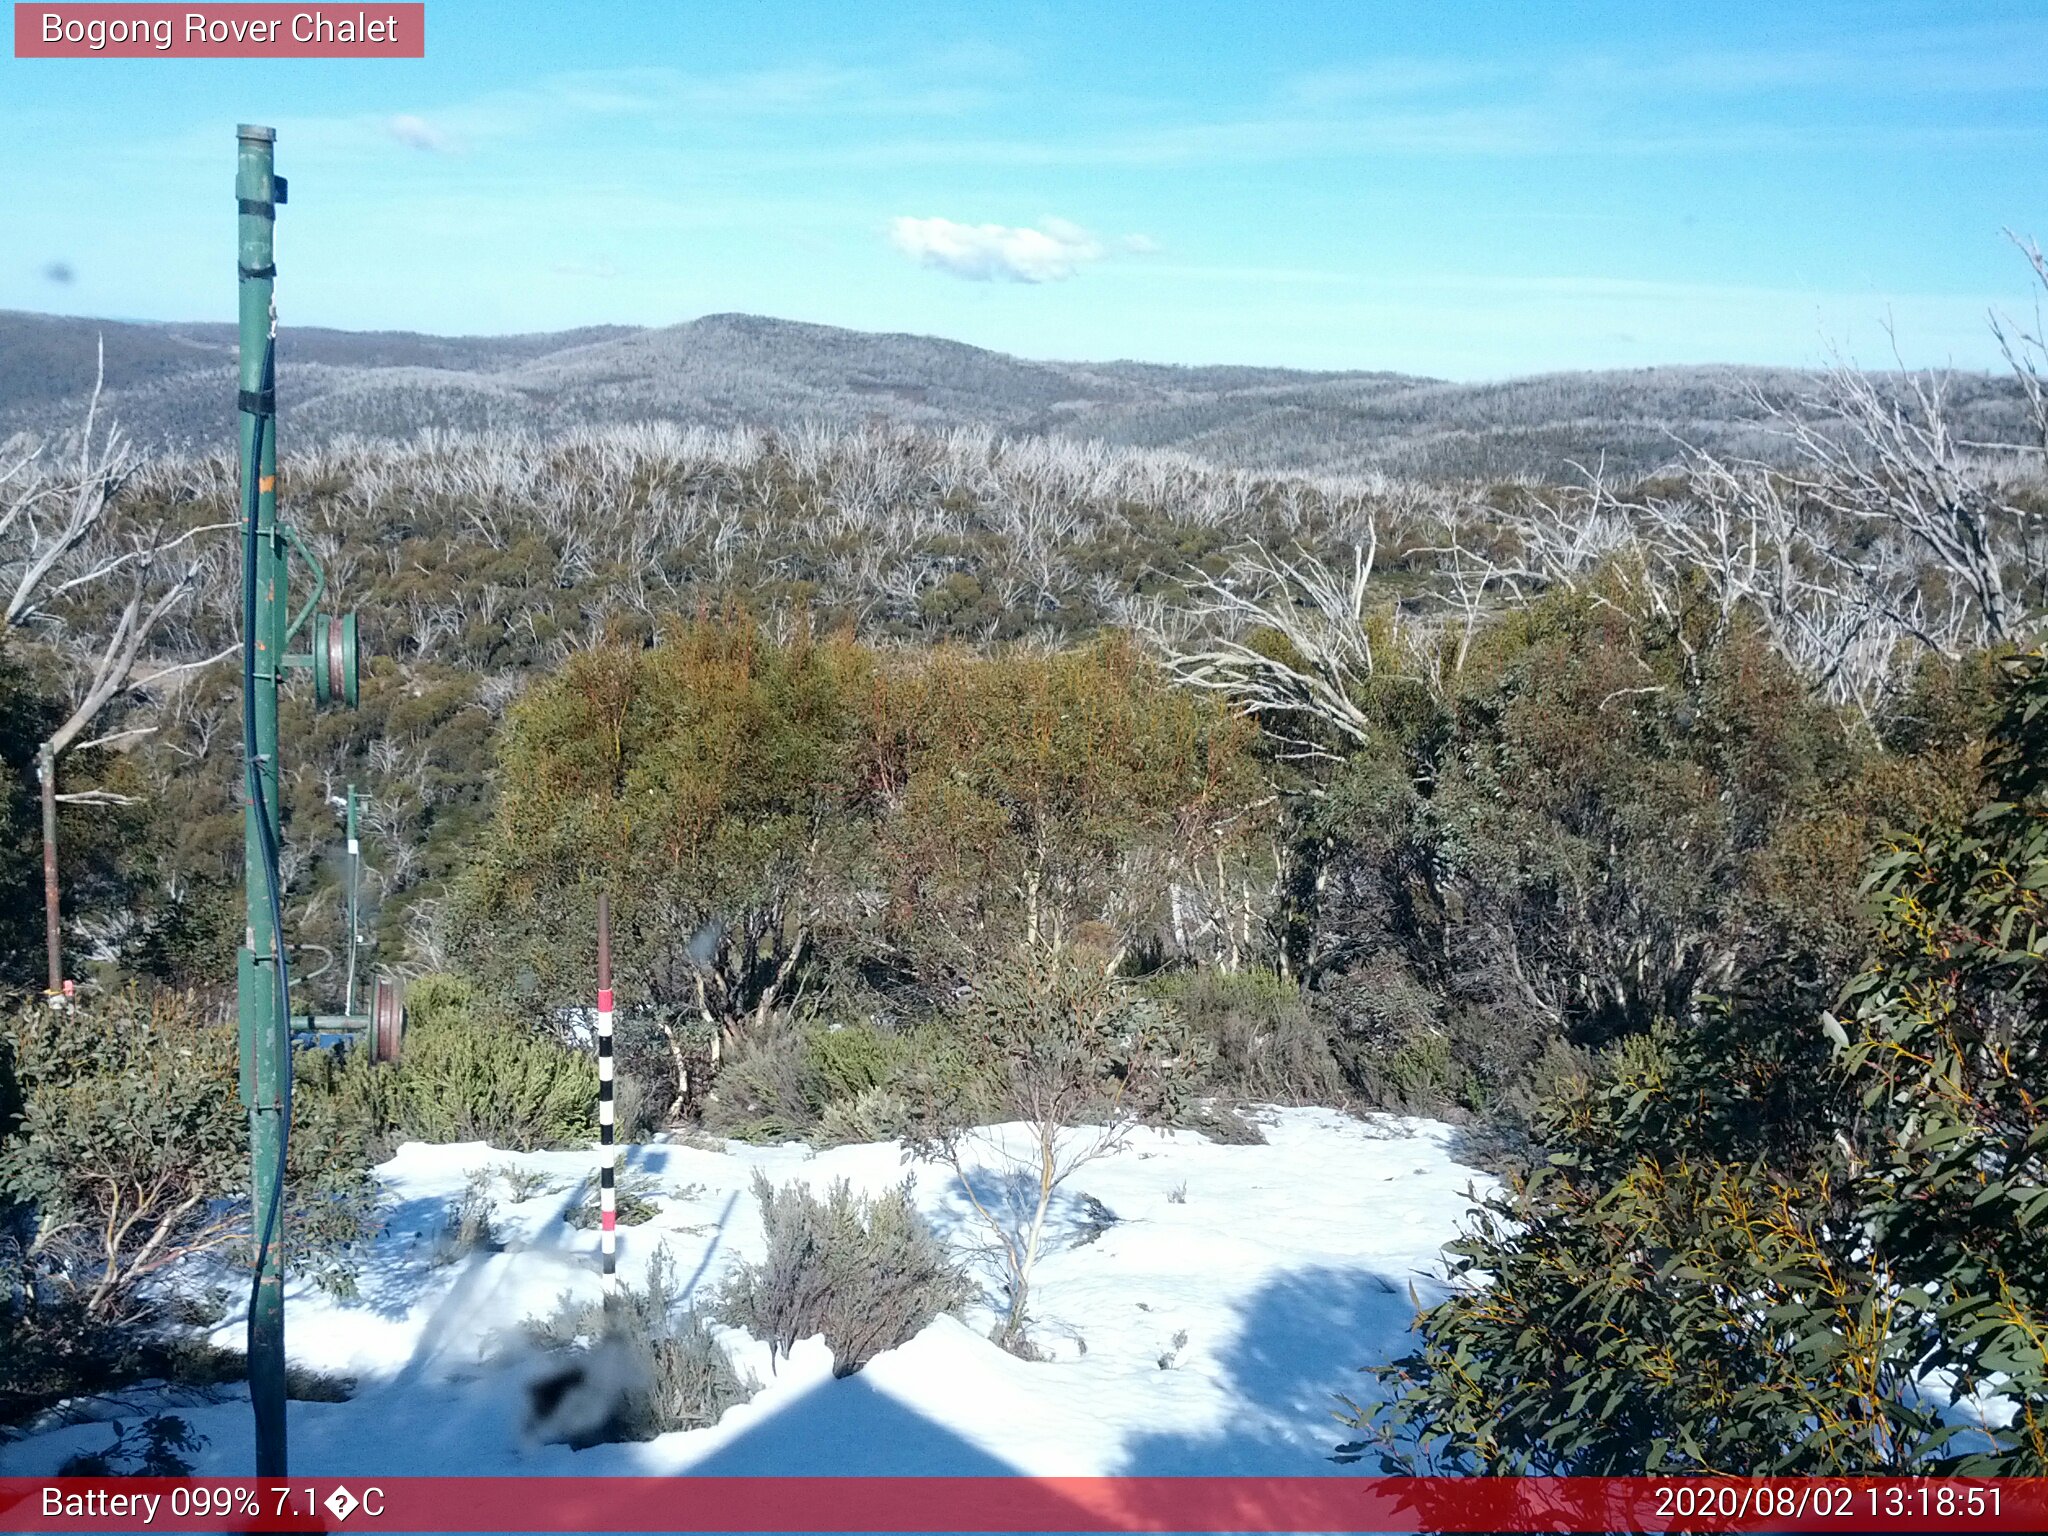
(630, 1367)
(470, 1074)
(867, 1272)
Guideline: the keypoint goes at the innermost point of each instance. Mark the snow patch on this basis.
(1207, 1329)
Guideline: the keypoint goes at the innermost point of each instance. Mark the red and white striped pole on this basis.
(607, 1151)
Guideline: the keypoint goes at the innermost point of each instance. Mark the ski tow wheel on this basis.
(387, 1020)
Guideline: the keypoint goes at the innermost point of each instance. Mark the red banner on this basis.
(114, 31)
(1007, 1504)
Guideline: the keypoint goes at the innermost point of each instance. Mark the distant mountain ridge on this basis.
(173, 385)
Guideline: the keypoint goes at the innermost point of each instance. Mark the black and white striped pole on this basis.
(607, 1149)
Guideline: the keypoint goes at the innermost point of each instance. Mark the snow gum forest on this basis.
(1128, 958)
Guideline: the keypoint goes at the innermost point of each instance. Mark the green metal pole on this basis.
(265, 1051)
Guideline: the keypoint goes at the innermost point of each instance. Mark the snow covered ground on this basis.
(1286, 1267)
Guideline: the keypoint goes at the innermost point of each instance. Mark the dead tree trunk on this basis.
(53, 927)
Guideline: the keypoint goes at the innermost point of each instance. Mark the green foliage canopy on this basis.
(763, 811)
(130, 1147)
(1781, 1243)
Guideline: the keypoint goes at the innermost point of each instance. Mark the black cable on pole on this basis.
(273, 1213)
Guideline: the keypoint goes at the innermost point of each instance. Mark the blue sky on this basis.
(1473, 190)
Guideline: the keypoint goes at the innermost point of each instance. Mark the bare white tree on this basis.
(1887, 535)
(1285, 637)
(1894, 466)
(55, 542)
(52, 510)
(2025, 345)
(1069, 1047)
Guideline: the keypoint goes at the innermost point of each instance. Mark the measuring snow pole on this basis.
(607, 1144)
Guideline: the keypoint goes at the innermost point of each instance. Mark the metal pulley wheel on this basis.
(387, 1020)
(336, 659)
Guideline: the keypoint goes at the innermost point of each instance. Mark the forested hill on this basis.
(173, 385)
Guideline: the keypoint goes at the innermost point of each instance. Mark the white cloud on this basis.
(418, 133)
(983, 253)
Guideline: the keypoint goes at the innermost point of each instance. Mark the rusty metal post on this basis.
(53, 913)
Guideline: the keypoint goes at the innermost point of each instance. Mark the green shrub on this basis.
(471, 1074)
(671, 1374)
(1767, 1242)
(122, 1100)
(1946, 1043)
(632, 1199)
(1622, 1308)
(1416, 1075)
(1596, 823)
(439, 998)
(131, 1150)
(705, 778)
(945, 1064)
(780, 1080)
(1045, 1036)
(879, 1114)
(763, 1091)
(851, 1083)
(470, 1225)
(866, 1272)
(129, 1157)
(1226, 1125)
(521, 1182)
(767, 809)
(344, 1089)
(1259, 1033)
(50, 1351)
(848, 1060)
